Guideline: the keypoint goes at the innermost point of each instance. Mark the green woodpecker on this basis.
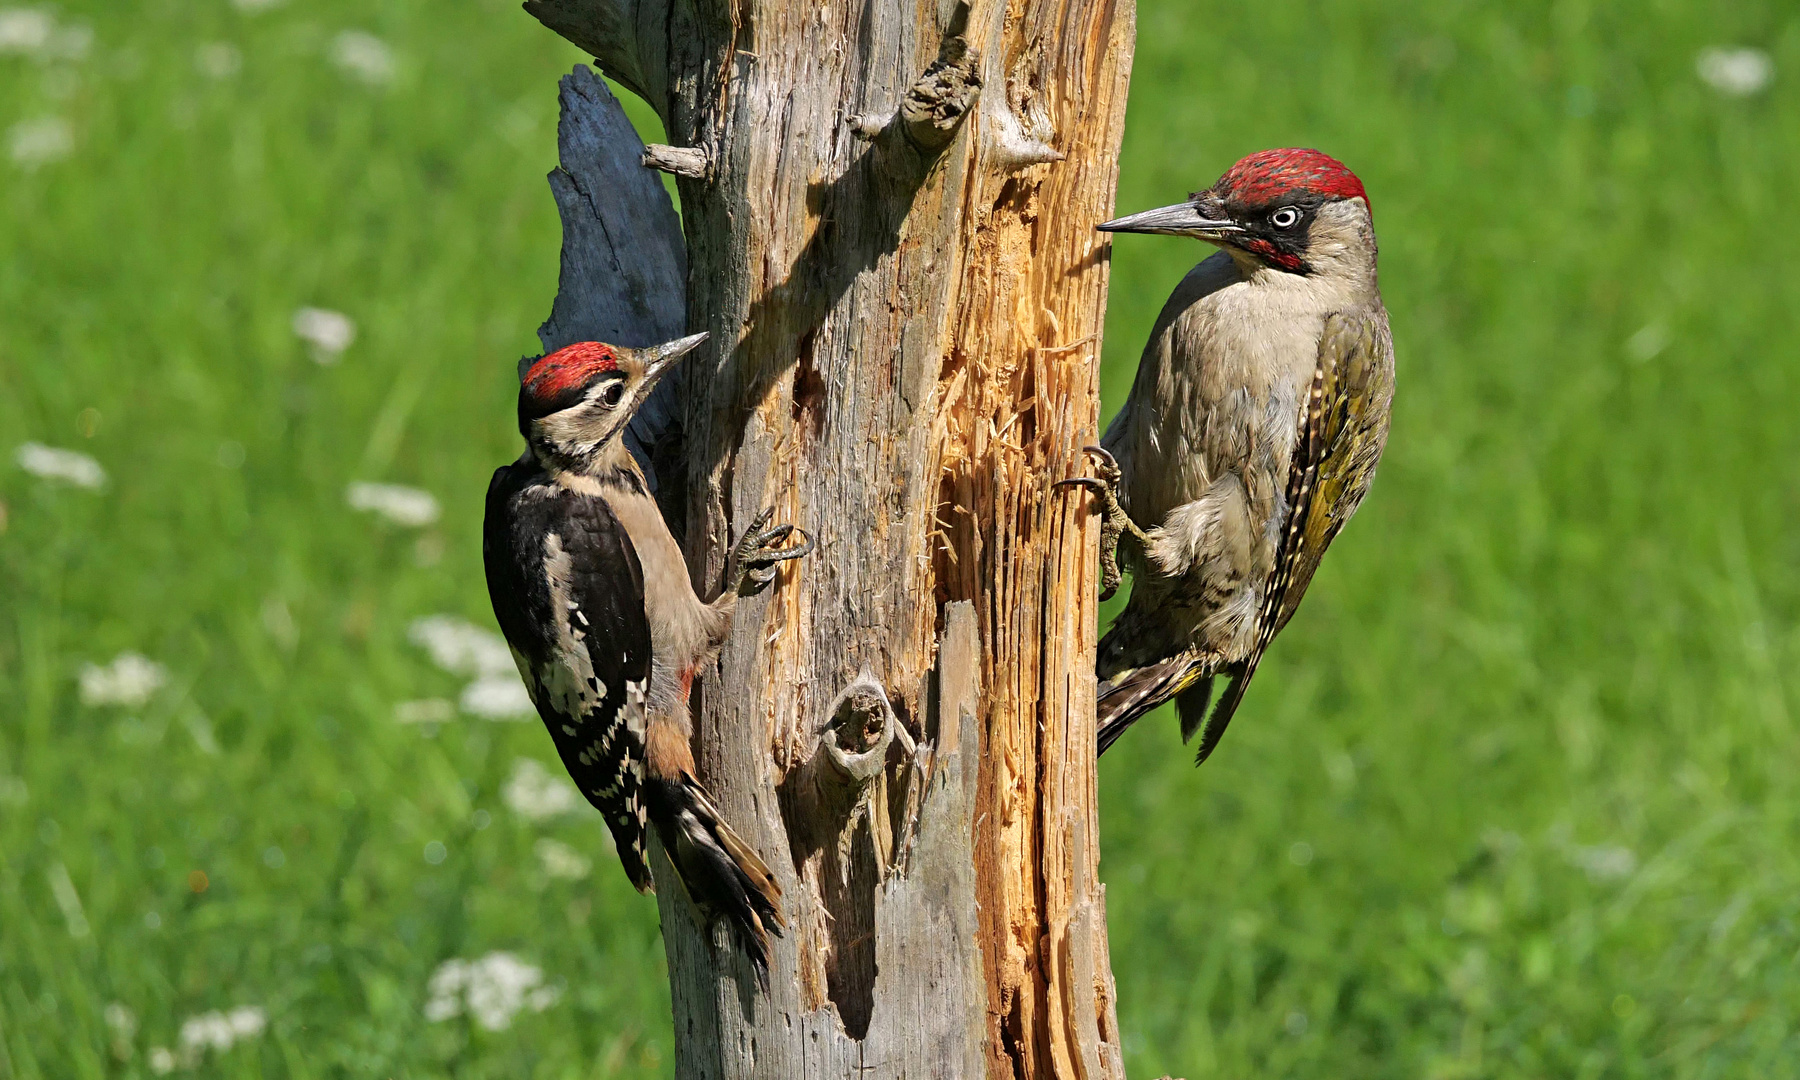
(1251, 433)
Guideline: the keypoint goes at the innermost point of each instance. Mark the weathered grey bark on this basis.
(891, 243)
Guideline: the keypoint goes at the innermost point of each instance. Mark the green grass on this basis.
(1514, 796)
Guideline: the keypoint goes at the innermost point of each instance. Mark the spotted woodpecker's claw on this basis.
(759, 553)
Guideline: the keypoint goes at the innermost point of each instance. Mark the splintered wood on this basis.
(892, 245)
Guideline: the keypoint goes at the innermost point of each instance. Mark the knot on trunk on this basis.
(861, 781)
(854, 742)
(840, 813)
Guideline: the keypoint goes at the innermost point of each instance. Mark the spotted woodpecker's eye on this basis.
(1285, 218)
(613, 394)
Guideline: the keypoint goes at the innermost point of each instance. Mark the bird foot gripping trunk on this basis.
(887, 215)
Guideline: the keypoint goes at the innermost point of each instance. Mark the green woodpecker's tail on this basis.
(1132, 693)
(1186, 680)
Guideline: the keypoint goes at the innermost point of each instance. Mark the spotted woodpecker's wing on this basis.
(1343, 428)
(568, 592)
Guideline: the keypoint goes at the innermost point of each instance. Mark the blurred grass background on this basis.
(1514, 797)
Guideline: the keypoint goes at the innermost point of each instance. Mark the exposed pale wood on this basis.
(894, 254)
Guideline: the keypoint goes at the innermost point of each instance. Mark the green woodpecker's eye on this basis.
(1285, 218)
(613, 394)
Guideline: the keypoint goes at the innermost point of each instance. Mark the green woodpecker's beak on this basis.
(1182, 219)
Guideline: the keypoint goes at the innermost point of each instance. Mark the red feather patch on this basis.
(569, 369)
(1270, 177)
(1287, 260)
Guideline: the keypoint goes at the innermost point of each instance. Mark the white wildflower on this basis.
(559, 860)
(492, 989)
(31, 143)
(218, 60)
(69, 43)
(1607, 862)
(129, 680)
(220, 1030)
(1735, 72)
(498, 697)
(162, 1060)
(69, 466)
(278, 620)
(123, 1024)
(534, 794)
(25, 30)
(460, 647)
(427, 711)
(401, 505)
(67, 899)
(1648, 342)
(363, 56)
(328, 332)
(120, 1018)
(34, 32)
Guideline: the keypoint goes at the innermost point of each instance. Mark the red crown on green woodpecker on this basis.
(1273, 177)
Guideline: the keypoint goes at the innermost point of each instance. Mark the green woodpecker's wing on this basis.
(1357, 400)
(1343, 427)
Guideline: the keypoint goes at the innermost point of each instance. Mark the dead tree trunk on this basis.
(888, 216)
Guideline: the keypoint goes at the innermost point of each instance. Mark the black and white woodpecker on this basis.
(594, 597)
(1250, 436)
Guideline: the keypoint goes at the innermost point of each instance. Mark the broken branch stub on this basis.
(824, 795)
(934, 107)
(692, 162)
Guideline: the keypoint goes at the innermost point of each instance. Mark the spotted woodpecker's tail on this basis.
(723, 877)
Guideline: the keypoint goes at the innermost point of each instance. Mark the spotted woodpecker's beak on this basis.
(1183, 219)
(659, 360)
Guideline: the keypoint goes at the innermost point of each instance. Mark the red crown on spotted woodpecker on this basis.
(1270, 178)
(557, 381)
